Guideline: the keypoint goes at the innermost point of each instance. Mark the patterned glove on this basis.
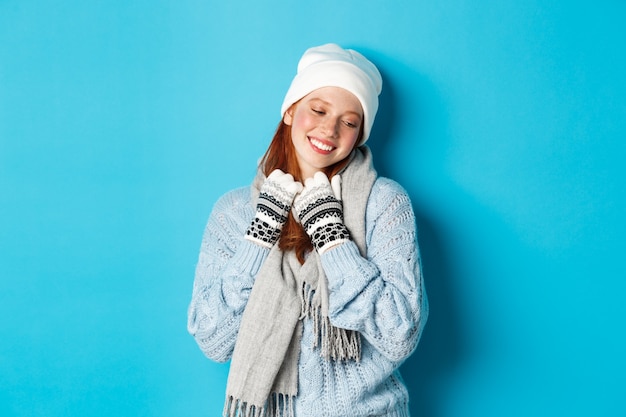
(320, 211)
(275, 198)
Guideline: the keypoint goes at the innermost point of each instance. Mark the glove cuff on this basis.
(271, 215)
(329, 235)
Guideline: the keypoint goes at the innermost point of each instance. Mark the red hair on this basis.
(281, 154)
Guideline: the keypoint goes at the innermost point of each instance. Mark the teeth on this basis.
(321, 146)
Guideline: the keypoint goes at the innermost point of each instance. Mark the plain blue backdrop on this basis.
(122, 122)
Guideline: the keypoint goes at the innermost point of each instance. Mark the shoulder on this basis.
(384, 184)
(389, 218)
(233, 206)
(385, 191)
(232, 200)
(230, 216)
(388, 203)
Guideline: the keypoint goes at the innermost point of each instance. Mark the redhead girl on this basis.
(309, 280)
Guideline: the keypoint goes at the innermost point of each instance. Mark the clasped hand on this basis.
(317, 206)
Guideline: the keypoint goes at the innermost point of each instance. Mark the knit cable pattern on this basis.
(381, 296)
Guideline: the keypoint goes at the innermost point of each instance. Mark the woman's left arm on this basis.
(383, 296)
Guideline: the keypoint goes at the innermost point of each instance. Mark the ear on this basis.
(288, 117)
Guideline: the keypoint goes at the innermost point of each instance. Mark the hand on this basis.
(320, 211)
(275, 198)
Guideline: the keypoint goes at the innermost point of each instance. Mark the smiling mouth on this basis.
(321, 146)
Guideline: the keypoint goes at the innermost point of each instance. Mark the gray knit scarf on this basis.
(263, 377)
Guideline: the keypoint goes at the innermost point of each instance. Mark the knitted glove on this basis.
(320, 211)
(275, 198)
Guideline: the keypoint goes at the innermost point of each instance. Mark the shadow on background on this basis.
(441, 349)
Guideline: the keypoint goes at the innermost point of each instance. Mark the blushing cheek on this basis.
(355, 137)
(351, 138)
(302, 120)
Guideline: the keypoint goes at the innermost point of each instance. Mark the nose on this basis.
(330, 127)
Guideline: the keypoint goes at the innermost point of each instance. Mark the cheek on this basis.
(302, 121)
(351, 137)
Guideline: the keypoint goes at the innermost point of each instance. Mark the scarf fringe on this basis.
(277, 405)
(335, 343)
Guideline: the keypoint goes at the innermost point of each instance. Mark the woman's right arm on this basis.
(227, 266)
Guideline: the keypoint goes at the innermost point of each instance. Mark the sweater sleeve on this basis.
(382, 296)
(224, 276)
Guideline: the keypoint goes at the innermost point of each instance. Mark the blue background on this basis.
(122, 122)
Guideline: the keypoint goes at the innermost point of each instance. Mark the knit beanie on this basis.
(332, 66)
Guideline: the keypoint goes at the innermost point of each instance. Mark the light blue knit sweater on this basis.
(382, 297)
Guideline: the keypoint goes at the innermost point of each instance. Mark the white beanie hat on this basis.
(332, 66)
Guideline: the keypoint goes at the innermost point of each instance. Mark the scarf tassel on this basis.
(334, 342)
(357, 178)
(278, 405)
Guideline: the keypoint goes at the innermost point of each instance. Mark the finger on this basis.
(335, 184)
(309, 183)
(284, 179)
(321, 178)
(275, 174)
(293, 187)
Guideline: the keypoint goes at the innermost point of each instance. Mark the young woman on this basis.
(309, 280)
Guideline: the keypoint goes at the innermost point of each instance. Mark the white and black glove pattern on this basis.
(275, 198)
(320, 211)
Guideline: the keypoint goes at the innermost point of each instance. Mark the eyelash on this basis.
(322, 112)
